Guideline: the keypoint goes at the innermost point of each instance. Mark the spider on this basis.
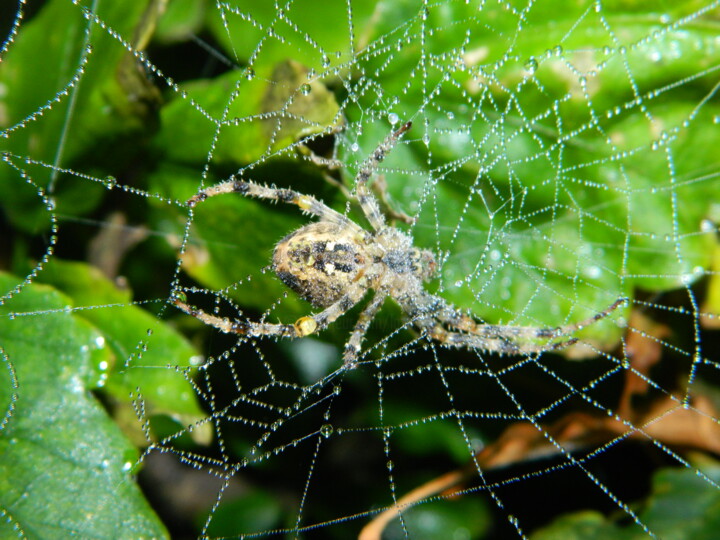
(333, 262)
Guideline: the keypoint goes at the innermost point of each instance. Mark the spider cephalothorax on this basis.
(334, 262)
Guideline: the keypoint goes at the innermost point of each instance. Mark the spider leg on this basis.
(319, 321)
(494, 344)
(367, 200)
(304, 326)
(307, 203)
(430, 313)
(352, 347)
(238, 327)
(379, 186)
(467, 324)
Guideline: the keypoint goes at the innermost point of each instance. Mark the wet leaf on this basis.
(243, 119)
(149, 354)
(682, 504)
(66, 465)
(46, 109)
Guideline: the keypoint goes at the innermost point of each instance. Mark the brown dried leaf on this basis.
(644, 349)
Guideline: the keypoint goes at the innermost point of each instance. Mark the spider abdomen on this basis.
(319, 262)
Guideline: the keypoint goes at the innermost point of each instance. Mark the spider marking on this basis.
(333, 262)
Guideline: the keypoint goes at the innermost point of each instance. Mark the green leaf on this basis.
(463, 517)
(683, 505)
(244, 118)
(261, 35)
(66, 102)
(149, 354)
(66, 466)
(256, 510)
(182, 18)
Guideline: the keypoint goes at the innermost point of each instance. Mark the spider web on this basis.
(562, 157)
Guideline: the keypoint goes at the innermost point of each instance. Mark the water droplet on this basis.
(305, 89)
(707, 226)
(393, 118)
(326, 430)
(249, 73)
(196, 360)
(531, 65)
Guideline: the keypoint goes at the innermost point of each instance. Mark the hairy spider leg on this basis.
(499, 344)
(367, 200)
(353, 345)
(467, 324)
(489, 337)
(304, 326)
(237, 327)
(307, 203)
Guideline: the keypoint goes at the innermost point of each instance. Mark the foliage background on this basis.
(102, 378)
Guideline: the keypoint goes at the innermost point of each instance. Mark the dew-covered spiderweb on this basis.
(562, 159)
